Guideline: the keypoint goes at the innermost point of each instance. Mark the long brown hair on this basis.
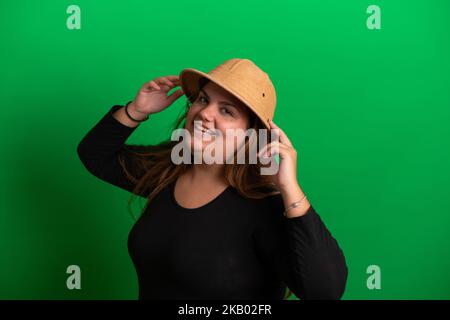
(160, 171)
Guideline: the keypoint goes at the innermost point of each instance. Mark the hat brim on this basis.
(189, 83)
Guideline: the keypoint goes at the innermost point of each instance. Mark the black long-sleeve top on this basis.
(231, 248)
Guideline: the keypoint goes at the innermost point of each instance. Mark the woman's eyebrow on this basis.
(223, 102)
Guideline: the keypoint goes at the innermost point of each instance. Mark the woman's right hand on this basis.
(152, 96)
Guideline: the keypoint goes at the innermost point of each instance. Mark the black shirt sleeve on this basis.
(100, 148)
(301, 252)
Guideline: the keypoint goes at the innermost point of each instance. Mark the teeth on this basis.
(205, 131)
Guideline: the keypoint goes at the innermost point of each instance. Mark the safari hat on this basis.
(243, 79)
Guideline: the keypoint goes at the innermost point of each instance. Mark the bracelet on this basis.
(129, 116)
(294, 205)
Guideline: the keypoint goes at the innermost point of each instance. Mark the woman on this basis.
(220, 230)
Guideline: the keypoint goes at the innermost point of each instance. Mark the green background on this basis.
(367, 111)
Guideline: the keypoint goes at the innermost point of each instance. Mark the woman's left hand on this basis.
(286, 176)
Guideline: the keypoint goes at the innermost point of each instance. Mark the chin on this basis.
(200, 144)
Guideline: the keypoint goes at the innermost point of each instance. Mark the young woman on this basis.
(217, 230)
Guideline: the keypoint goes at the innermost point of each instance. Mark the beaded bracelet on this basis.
(129, 116)
(294, 205)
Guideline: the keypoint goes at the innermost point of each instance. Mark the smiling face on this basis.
(218, 110)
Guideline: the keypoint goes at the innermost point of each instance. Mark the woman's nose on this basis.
(207, 113)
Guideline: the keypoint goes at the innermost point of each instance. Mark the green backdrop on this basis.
(367, 110)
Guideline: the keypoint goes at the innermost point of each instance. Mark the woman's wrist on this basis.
(291, 195)
(137, 115)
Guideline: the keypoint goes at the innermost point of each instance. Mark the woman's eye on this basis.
(228, 111)
(202, 99)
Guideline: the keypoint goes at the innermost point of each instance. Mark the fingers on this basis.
(171, 81)
(154, 85)
(165, 88)
(164, 80)
(173, 78)
(175, 95)
(283, 137)
(162, 83)
(272, 148)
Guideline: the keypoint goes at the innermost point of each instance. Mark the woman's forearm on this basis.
(121, 116)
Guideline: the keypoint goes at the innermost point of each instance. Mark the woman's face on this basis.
(218, 110)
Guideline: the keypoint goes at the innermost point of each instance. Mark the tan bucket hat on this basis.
(242, 78)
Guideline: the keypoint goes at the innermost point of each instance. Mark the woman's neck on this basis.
(206, 174)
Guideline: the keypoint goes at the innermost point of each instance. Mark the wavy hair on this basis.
(160, 171)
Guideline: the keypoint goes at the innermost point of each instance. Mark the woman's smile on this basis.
(205, 132)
